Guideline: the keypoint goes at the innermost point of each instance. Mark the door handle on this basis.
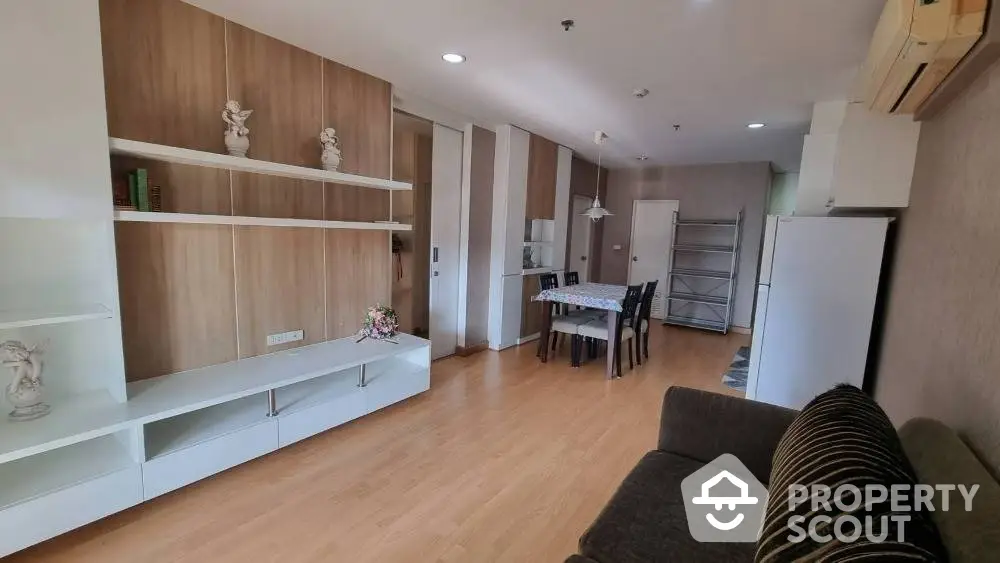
(635, 258)
(583, 258)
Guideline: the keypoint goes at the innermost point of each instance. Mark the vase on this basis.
(27, 402)
(331, 160)
(237, 145)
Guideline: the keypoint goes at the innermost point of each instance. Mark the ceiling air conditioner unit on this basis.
(916, 45)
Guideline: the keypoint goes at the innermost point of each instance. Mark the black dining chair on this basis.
(571, 278)
(598, 330)
(641, 324)
(545, 282)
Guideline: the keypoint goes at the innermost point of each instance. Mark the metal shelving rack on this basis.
(688, 296)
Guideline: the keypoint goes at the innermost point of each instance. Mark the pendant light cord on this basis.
(597, 189)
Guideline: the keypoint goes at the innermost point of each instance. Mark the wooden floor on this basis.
(504, 459)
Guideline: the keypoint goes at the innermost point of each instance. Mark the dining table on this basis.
(601, 296)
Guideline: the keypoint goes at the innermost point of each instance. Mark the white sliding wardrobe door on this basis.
(446, 208)
(652, 237)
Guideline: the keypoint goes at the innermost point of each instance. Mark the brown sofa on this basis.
(644, 522)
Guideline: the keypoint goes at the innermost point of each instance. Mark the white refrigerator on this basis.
(819, 279)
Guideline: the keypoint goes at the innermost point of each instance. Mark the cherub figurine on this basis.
(237, 139)
(331, 149)
(25, 390)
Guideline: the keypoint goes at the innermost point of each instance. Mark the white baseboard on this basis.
(740, 329)
(529, 338)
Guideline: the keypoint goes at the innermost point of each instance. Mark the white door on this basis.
(446, 208)
(652, 237)
(579, 245)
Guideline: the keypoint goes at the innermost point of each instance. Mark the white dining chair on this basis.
(624, 333)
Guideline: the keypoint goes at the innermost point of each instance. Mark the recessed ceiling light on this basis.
(756, 125)
(453, 58)
(642, 157)
(640, 92)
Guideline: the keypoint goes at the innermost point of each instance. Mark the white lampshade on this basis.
(596, 212)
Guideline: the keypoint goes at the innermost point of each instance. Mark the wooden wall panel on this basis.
(284, 86)
(358, 275)
(167, 76)
(422, 235)
(183, 189)
(359, 107)
(531, 311)
(255, 195)
(279, 276)
(178, 306)
(349, 203)
(164, 73)
(404, 146)
(543, 160)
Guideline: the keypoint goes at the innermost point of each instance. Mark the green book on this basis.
(142, 188)
(133, 190)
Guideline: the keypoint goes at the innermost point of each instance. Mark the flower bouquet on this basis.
(381, 323)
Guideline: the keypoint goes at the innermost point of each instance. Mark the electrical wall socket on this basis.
(285, 337)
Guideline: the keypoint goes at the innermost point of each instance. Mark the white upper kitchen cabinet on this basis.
(853, 158)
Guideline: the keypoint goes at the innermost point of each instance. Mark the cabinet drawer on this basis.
(174, 470)
(395, 385)
(301, 424)
(55, 513)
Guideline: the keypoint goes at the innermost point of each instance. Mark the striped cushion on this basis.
(842, 437)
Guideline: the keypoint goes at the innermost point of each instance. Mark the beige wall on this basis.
(480, 223)
(712, 191)
(781, 200)
(941, 345)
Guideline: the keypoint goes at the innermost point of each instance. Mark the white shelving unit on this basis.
(108, 445)
(150, 217)
(50, 315)
(176, 155)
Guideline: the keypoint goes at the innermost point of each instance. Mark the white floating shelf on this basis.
(171, 395)
(178, 155)
(52, 314)
(150, 217)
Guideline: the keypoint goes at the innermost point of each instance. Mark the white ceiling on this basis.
(711, 65)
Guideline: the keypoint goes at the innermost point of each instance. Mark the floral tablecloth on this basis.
(592, 295)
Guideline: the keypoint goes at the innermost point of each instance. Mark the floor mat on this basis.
(736, 376)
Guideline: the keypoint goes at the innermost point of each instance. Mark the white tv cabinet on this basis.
(76, 465)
